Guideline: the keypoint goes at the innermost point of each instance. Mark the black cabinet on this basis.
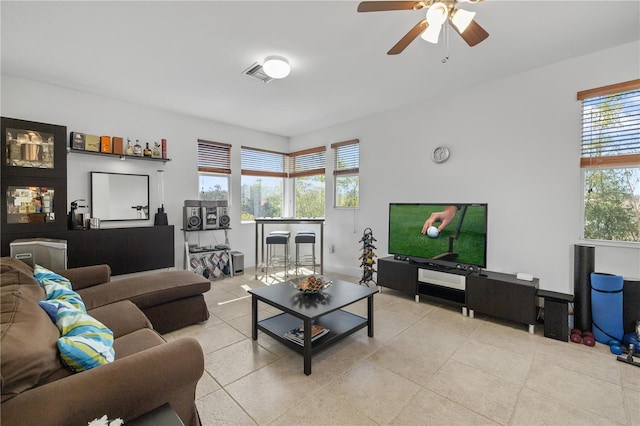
(34, 181)
(503, 296)
(398, 275)
(125, 250)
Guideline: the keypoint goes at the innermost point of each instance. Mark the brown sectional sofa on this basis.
(148, 372)
(170, 299)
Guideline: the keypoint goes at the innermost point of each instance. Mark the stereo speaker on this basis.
(583, 266)
(224, 221)
(191, 218)
(193, 223)
(556, 319)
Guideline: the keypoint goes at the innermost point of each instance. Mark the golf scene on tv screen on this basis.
(439, 232)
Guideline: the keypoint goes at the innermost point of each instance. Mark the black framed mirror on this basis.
(119, 196)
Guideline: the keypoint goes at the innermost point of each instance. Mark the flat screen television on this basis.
(461, 238)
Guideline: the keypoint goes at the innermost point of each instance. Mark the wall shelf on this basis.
(116, 156)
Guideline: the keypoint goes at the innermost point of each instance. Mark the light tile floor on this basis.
(426, 365)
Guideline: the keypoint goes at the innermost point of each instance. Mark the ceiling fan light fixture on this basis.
(276, 66)
(432, 33)
(437, 14)
(461, 19)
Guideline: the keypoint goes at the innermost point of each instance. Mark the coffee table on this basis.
(323, 308)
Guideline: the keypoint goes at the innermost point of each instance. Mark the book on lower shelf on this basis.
(297, 334)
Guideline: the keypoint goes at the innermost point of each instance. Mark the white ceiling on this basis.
(188, 57)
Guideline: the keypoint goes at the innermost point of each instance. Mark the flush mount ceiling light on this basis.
(276, 66)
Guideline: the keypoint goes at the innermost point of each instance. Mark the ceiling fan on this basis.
(438, 11)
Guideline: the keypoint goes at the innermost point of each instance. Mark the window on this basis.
(306, 168)
(263, 174)
(610, 161)
(214, 168)
(346, 173)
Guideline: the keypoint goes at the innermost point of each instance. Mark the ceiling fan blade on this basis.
(381, 6)
(474, 33)
(408, 38)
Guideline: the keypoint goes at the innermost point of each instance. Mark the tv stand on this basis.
(423, 279)
(503, 296)
(443, 283)
(491, 293)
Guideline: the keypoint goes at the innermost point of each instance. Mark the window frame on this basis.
(628, 158)
(253, 162)
(310, 164)
(352, 170)
(214, 159)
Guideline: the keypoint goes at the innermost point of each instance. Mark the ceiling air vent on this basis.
(257, 72)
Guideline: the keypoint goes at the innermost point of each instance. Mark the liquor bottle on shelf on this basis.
(147, 151)
(128, 150)
(156, 153)
(137, 149)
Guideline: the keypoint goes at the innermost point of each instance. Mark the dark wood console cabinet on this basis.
(405, 277)
(492, 293)
(398, 275)
(503, 296)
(125, 250)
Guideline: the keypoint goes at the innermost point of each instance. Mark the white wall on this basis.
(99, 115)
(514, 144)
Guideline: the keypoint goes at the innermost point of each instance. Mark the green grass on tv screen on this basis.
(406, 238)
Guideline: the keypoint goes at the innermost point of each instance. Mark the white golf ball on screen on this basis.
(432, 231)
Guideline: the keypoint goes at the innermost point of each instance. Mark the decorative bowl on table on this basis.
(311, 284)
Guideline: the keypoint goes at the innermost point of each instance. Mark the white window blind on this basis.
(214, 157)
(308, 162)
(611, 125)
(261, 162)
(346, 157)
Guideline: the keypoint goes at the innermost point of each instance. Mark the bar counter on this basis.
(261, 221)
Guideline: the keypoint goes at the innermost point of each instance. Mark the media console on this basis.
(417, 280)
(491, 293)
(125, 250)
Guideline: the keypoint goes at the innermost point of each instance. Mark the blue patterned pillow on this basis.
(57, 287)
(85, 342)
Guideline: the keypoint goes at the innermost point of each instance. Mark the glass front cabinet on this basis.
(34, 181)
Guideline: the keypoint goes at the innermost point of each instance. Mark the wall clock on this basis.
(440, 154)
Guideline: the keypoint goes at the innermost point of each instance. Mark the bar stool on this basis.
(274, 239)
(306, 237)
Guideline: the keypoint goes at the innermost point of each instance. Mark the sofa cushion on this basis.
(121, 317)
(137, 341)
(147, 290)
(28, 338)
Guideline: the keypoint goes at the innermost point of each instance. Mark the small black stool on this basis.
(274, 239)
(306, 237)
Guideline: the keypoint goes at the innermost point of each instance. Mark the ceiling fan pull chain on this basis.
(446, 44)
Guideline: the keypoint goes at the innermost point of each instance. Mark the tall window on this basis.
(610, 162)
(214, 169)
(346, 169)
(263, 174)
(306, 168)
